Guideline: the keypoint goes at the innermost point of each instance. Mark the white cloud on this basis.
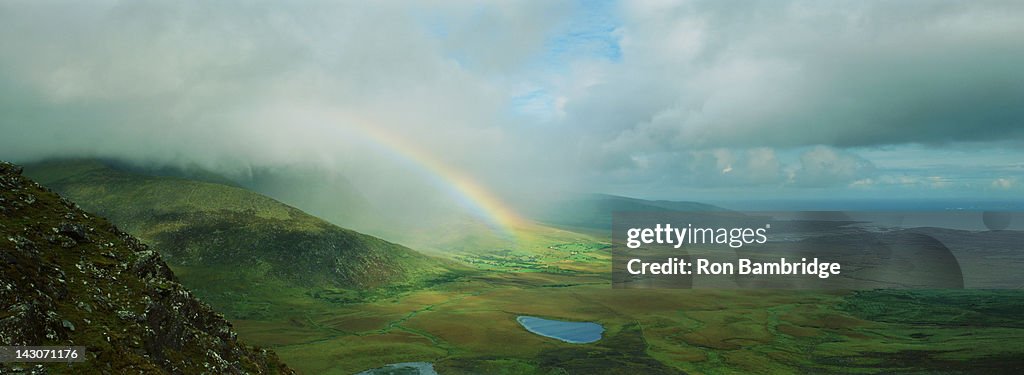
(716, 74)
(1004, 183)
(824, 166)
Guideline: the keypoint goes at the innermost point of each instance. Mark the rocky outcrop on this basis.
(71, 278)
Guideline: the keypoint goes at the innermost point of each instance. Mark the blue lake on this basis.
(572, 332)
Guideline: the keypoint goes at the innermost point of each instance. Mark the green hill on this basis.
(70, 278)
(225, 240)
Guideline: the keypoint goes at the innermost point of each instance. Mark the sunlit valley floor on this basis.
(458, 309)
(469, 326)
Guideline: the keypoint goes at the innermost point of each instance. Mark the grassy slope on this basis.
(229, 243)
(71, 278)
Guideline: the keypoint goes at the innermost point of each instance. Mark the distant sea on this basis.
(872, 205)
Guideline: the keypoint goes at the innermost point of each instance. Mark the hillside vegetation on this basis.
(228, 242)
(70, 278)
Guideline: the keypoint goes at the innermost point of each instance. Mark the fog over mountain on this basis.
(686, 100)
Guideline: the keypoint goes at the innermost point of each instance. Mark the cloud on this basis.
(236, 83)
(1004, 183)
(769, 74)
(825, 166)
(842, 80)
(365, 91)
(730, 167)
(526, 95)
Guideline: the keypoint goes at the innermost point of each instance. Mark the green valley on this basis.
(332, 301)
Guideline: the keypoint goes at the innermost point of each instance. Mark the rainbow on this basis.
(460, 186)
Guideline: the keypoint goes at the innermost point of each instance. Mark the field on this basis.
(467, 324)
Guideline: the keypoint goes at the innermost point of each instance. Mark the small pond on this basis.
(571, 332)
(405, 368)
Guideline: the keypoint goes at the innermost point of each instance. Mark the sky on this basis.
(680, 100)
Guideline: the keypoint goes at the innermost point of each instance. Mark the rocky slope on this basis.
(71, 278)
